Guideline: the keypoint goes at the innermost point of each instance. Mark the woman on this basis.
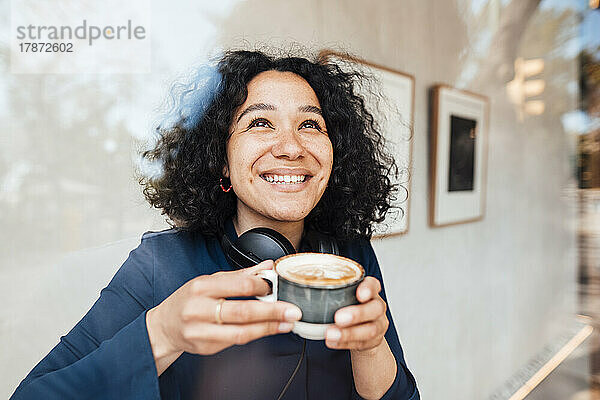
(281, 143)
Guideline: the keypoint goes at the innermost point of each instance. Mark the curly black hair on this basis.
(191, 153)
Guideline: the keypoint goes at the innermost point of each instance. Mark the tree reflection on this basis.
(66, 169)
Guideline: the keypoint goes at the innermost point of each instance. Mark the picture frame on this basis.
(458, 156)
(395, 114)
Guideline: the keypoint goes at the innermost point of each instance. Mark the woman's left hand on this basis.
(362, 326)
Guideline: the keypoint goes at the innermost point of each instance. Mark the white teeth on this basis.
(285, 179)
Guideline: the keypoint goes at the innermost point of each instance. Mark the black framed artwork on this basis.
(458, 156)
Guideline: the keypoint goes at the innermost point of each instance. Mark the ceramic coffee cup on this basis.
(319, 284)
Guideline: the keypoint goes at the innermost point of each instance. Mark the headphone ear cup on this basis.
(284, 244)
(320, 243)
(257, 245)
(236, 257)
(334, 246)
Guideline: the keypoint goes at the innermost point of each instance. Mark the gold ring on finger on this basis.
(218, 311)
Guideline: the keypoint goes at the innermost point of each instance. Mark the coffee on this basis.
(317, 270)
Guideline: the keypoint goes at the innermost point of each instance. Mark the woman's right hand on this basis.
(187, 320)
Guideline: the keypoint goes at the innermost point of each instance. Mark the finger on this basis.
(239, 311)
(353, 345)
(230, 284)
(368, 289)
(359, 333)
(343, 345)
(360, 313)
(235, 334)
(267, 264)
(247, 311)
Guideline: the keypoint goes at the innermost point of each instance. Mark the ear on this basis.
(226, 171)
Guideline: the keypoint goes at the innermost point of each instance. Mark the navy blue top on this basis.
(107, 355)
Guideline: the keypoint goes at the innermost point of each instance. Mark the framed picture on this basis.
(395, 114)
(458, 156)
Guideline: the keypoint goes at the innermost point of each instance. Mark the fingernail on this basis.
(285, 326)
(343, 318)
(292, 314)
(365, 293)
(334, 334)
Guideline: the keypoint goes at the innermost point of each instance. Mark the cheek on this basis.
(241, 157)
(325, 155)
(238, 167)
(234, 160)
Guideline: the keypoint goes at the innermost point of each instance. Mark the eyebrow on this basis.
(312, 109)
(255, 107)
(270, 107)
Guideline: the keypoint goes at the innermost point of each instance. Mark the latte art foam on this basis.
(319, 271)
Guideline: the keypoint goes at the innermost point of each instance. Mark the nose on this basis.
(288, 145)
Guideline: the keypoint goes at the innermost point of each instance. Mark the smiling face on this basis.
(279, 155)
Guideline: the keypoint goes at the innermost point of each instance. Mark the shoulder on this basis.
(175, 256)
(163, 233)
(169, 240)
(163, 261)
(173, 249)
(156, 247)
(166, 235)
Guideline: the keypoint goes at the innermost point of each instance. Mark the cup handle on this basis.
(271, 276)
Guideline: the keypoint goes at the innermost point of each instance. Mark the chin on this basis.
(288, 217)
(291, 215)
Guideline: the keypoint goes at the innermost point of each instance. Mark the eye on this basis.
(259, 123)
(311, 124)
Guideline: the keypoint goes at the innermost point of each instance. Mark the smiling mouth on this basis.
(286, 179)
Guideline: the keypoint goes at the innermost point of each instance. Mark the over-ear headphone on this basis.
(259, 244)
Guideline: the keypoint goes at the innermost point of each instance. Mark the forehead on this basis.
(284, 87)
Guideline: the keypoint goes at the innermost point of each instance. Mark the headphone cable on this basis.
(287, 385)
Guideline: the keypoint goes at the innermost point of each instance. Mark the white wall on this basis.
(472, 303)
